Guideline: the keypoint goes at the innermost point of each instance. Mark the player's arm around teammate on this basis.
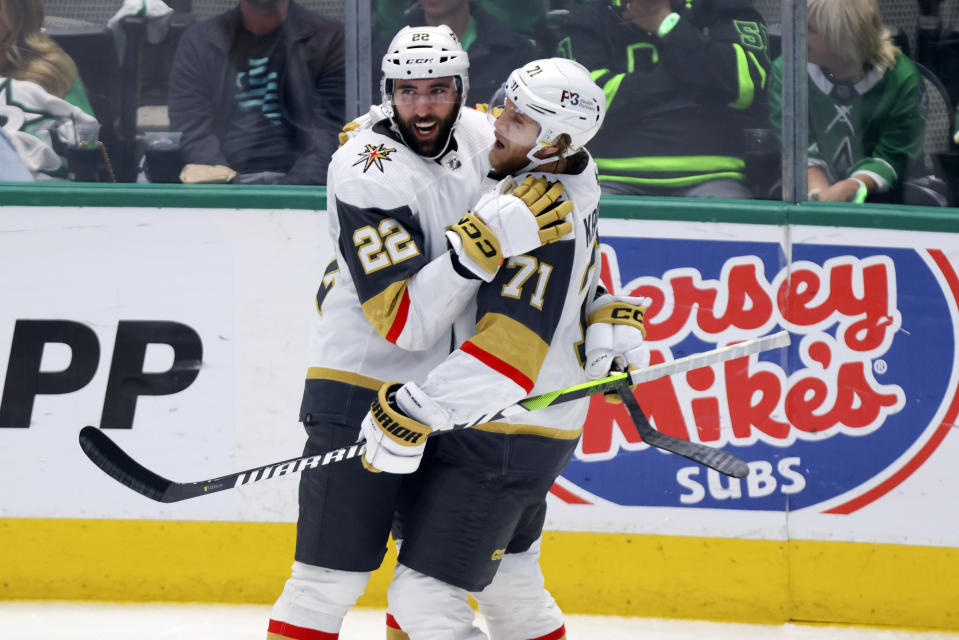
(479, 501)
(384, 310)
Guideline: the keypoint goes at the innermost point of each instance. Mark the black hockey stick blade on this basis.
(116, 463)
(722, 461)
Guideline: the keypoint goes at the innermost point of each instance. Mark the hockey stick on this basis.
(625, 380)
(116, 463)
(722, 461)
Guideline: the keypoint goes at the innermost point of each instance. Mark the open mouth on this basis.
(425, 130)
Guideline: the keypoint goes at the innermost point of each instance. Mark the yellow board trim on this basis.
(758, 581)
(355, 379)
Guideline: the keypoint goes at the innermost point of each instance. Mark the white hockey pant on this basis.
(318, 598)
(428, 609)
(516, 604)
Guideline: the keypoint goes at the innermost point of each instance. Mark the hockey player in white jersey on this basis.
(479, 502)
(386, 307)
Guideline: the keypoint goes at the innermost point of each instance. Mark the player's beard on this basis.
(432, 147)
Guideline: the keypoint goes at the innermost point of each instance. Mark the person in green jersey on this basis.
(866, 125)
(28, 54)
(683, 79)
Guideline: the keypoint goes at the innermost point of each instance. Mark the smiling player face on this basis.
(425, 112)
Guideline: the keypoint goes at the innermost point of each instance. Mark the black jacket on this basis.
(496, 51)
(312, 89)
(678, 104)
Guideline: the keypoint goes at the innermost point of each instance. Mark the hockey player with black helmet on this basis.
(473, 525)
(387, 305)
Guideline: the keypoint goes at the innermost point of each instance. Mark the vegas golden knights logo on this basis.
(374, 155)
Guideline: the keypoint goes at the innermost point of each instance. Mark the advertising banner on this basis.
(851, 420)
(184, 333)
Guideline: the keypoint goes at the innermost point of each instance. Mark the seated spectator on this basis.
(865, 122)
(526, 18)
(41, 90)
(40, 126)
(29, 55)
(12, 168)
(682, 82)
(494, 48)
(258, 93)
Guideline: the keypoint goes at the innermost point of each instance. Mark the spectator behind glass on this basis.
(12, 168)
(29, 55)
(865, 123)
(258, 93)
(494, 48)
(682, 82)
(527, 21)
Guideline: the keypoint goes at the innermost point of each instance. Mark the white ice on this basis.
(103, 621)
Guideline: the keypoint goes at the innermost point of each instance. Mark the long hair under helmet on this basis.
(425, 52)
(561, 97)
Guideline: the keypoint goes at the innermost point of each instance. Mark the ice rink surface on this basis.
(98, 621)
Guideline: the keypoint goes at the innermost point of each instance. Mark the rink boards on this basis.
(184, 330)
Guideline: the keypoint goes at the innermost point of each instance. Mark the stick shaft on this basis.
(620, 380)
(116, 463)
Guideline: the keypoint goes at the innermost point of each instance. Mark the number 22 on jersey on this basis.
(386, 244)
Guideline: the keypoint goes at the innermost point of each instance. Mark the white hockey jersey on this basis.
(529, 330)
(386, 304)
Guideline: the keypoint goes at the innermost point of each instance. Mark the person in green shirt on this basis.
(866, 126)
(26, 53)
(683, 79)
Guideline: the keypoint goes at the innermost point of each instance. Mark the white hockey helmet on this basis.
(560, 95)
(425, 52)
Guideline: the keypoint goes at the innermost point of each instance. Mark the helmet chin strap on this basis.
(535, 161)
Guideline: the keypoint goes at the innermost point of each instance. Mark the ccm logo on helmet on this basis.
(572, 98)
(418, 60)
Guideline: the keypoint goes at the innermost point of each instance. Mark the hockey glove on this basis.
(509, 221)
(615, 332)
(376, 113)
(397, 425)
